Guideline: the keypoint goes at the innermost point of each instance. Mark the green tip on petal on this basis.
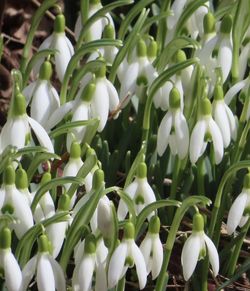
(142, 80)
(209, 23)
(206, 107)
(154, 225)
(43, 244)
(141, 48)
(98, 178)
(226, 24)
(90, 244)
(59, 24)
(46, 178)
(174, 98)
(21, 179)
(141, 170)
(152, 49)
(9, 175)
(8, 209)
(45, 71)
(198, 222)
(88, 92)
(129, 231)
(5, 238)
(179, 56)
(109, 31)
(75, 150)
(19, 105)
(64, 202)
(246, 182)
(218, 92)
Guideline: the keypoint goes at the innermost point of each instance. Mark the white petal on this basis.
(85, 272)
(225, 57)
(243, 59)
(140, 265)
(232, 122)
(146, 248)
(157, 257)
(41, 135)
(101, 279)
(45, 276)
(217, 141)
(197, 141)
(116, 265)
(234, 90)
(182, 134)
(28, 91)
(236, 211)
(78, 27)
(177, 9)
(113, 95)
(28, 272)
(59, 114)
(58, 275)
(163, 133)
(213, 255)
(12, 272)
(190, 254)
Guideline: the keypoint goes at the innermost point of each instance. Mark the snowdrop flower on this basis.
(43, 96)
(151, 248)
(96, 29)
(139, 191)
(16, 204)
(125, 256)
(244, 60)
(139, 72)
(8, 263)
(239, 212)
(196, 247)
(17, 129)
(49, 274)
(206, 130)
(225, 47)
(224, 117)
(56, 231)
(73, 166)
(89, 262)
(61, 43)
(173, 129)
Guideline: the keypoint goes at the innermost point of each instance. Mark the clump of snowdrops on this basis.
(143, 146)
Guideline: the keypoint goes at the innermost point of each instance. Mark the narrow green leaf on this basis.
(33, 150)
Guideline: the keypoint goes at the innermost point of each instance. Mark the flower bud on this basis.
(154, 225)
(90, 244)
(45, 71)
(75, 150)
(43, 244)
(218, 93)
(98, 179)
(88, 92)
(141, 48)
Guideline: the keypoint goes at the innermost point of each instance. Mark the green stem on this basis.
(236, 252)
(201, 173)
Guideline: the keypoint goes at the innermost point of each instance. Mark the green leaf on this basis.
(69, 125)
(51, 184)
(6, 156)
(33, 150)
(150, 208)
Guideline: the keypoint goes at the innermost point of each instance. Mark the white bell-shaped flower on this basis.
(173, 130)
(151, 248)
(139, 191)
(224, 117)
(90, 257)
(96, 29)
(196, 247)
(105, 217)
(49, 274)
(42, 96)
(16, 204)
(17, 129)
(126, 255)
(240, 210)
(8, 263)
(205, 130)
(59, 42)
(139, 71)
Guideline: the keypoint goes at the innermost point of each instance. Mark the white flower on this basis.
(239, 212)
(105, 217)
(224, 117)
(125, 256)
(16, 204)
(151, 248)
(62, 45)
(96, 29)
(196, 247)
(17, 129)
(205, 130)
(49, 274)
(173, 129)
(139, 191)
(43, 96)
(8, 263)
